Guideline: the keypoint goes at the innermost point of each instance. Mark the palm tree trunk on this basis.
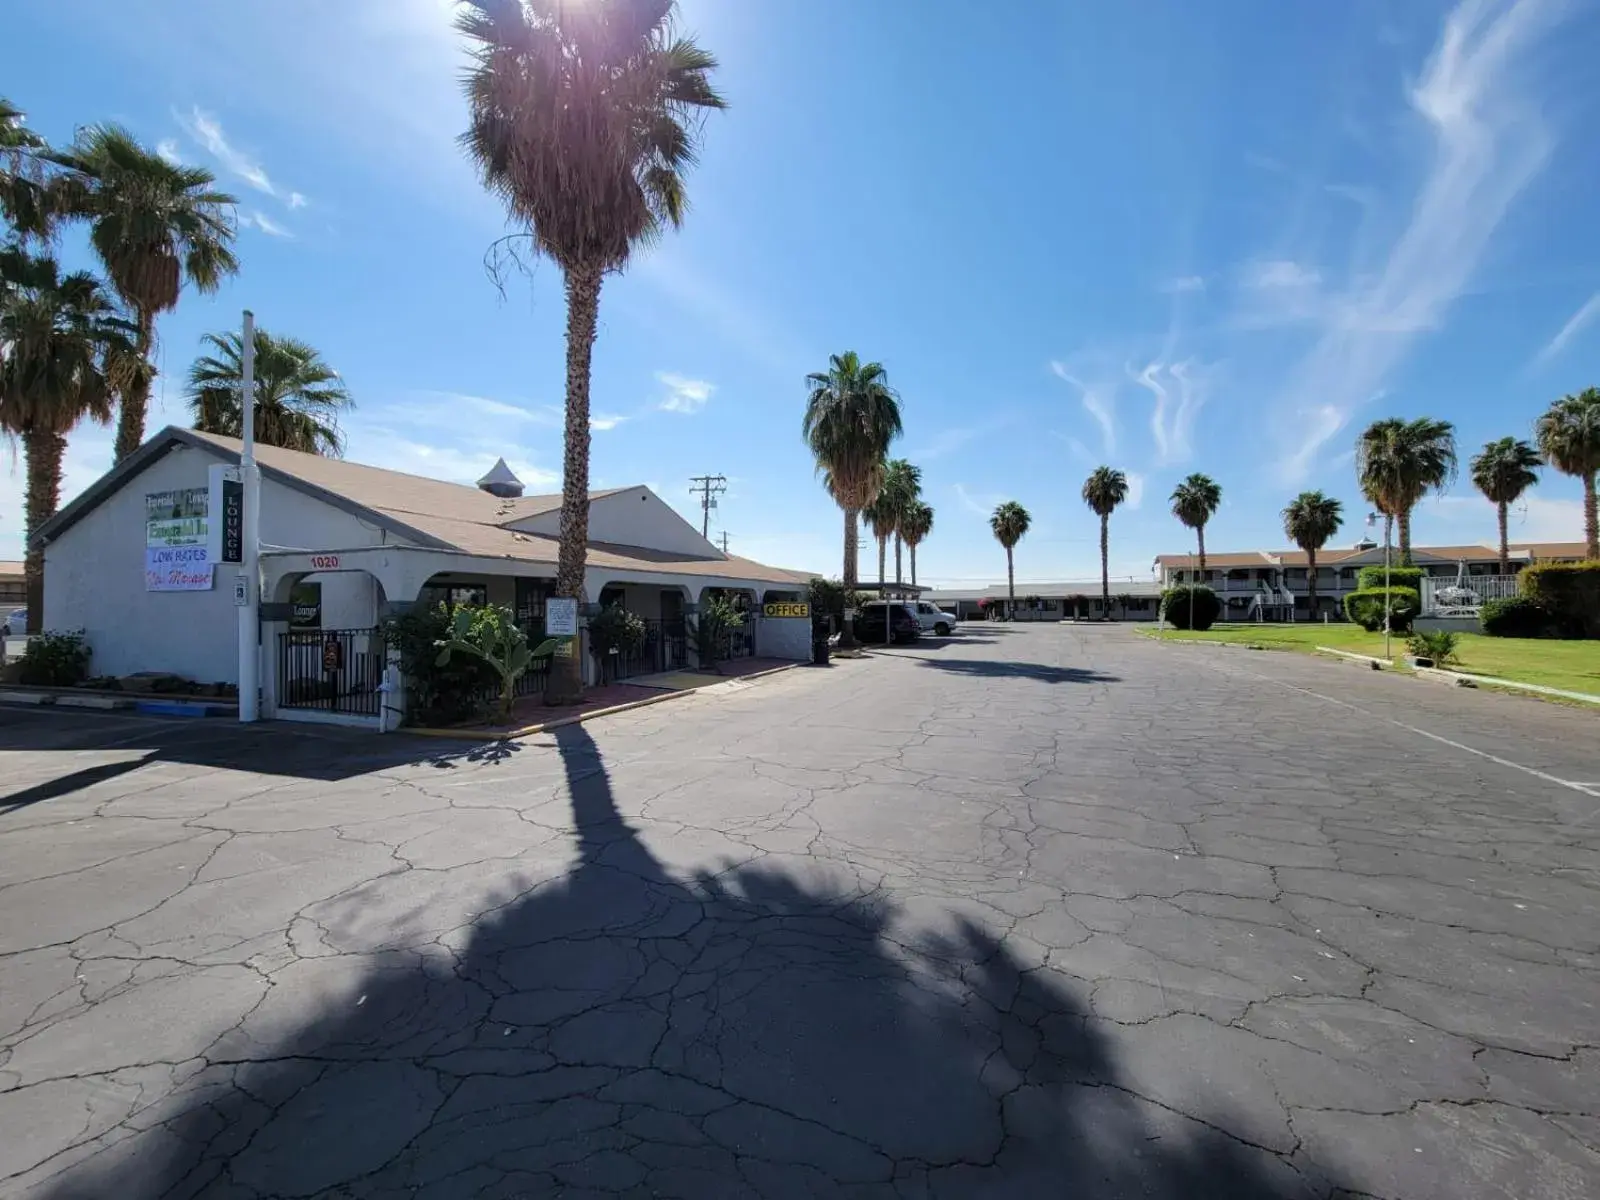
(898, 579)
(583, 315)
(1105, 567)
(883, 564)
(1311, 583)
(1200, 534)
(136, 396)
(847, 632)
(43, 452)
(1591, 525)
(913, 564)
(1505, 550)
(1404, 518)
(1011, 585)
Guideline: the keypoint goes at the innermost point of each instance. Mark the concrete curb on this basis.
(1448, 678)
(467, 735)
(1376, 664)
(1469, 680)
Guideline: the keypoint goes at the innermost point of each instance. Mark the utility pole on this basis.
(708, 488)
(250, 564)
(724, 541)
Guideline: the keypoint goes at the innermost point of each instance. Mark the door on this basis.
(674, 633)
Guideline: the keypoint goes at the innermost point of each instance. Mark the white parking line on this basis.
(1588, 789)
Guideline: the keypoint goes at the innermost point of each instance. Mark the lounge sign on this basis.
(785, 608)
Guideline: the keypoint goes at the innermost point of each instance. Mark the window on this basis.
(456, 595)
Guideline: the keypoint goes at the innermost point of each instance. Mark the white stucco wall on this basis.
(636, 517)
(94, 578)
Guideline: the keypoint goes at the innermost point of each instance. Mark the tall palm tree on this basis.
(881, 519)
(1194, 502)
(1569, 438)
(1502, 471)
(1103, 491)
(64, 348)
(1309, 520)
(155, 226)
(902, 487)
(25, 193)
(1009, 522)
(852, 416)
(299, 398)
(1399, 461)
(584, 119)
(915, 526)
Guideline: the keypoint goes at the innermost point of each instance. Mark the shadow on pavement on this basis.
(754, 1032)
(998, 669)
(65, 785)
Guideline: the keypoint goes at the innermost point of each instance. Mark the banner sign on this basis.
(177, 554)
(786, 608)
(561, 617)
(225, 507)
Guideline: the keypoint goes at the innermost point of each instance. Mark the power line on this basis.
(708, 488)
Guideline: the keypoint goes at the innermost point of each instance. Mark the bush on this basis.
(1569, 592)
(1178, 604)
(828, 600)
(1369, 578)
(55, 660)
(437, 695)
(1516, 617)
(1366, 608)
(712, 629)
(1438, 645)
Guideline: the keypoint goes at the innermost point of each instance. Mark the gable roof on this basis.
(1329, 556)
(428, 512)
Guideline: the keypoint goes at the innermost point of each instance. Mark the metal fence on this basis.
(665, 648)
(1443, 596)
(331, 670)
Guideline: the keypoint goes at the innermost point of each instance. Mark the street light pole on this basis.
(250, 552)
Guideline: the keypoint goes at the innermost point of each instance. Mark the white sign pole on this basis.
(250, 559)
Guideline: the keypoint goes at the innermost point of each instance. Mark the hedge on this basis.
(1180, 603)
(1366, 606)
(1569, 592)
(1517, 617)
(1407, 577)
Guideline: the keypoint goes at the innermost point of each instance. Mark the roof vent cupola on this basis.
(501, 481)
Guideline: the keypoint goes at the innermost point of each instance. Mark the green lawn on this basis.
(1574, 666)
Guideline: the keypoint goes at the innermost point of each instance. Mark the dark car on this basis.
(902, 622)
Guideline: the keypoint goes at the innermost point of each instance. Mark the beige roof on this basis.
(1331, 556)
(10, 569)
(474, 522)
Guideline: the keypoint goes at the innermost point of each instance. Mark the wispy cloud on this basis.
(259, 220)
(981, 504)
(1278, 273)
(296, 200)
(207, 131)
(1488, 143)
(684, 395)
(1097, 402)
(1179, 390)
(603, 421)
(167, 148)
(1574, 326)
(1534, 518)
(1079, 450)
(1136, 484)
(948, 441)
(1183, 283)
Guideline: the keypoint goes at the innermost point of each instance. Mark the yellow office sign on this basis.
(785, 608)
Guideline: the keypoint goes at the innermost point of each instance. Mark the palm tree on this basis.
(852, 416)
(299, 398)
(915, 526)
(1399, 461)
(1103, 491)
(1194, 502)
(1009, 522)
(880, 518)
(65, 347)
(25, 194)
(155, 225)
(1309, 520)
(902, 487)
(1569, 438)
(1502, 472)
(584, 119)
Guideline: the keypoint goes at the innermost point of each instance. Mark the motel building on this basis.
(138, 562)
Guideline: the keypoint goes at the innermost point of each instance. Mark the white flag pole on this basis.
(250, 558)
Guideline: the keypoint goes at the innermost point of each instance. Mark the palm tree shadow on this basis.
(761, 1030)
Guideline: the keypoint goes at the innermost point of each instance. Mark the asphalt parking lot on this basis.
(1032, 911)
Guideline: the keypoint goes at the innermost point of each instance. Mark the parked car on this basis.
(17, 623)
(934, 619)
(903, 623)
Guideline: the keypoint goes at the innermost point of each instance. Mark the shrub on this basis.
(437, 694)
(1190, 606)
(1516, 617)
(1366, 606)
(615, 628)
(1438, 645)
(55, 660)
(1368, 578)
(1569, 592)
(711, 629)
(828, 600)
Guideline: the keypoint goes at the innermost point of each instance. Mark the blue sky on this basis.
(1169, 236)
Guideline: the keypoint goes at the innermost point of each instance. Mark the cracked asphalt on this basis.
(1043, 911)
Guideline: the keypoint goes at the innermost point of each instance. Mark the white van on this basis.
(932, 618)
